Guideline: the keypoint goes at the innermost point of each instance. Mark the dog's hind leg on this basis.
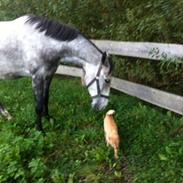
(107, 140)
(4, 112)
(115, 152)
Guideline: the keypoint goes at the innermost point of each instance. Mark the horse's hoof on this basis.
(5, 113)
(8, 116)
(39, 127)
(40, 130)
(51, 119)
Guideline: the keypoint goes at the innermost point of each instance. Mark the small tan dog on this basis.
(111, 132)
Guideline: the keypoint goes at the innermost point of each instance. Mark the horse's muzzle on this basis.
(99, 104)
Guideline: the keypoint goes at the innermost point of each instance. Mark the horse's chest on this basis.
(10, 70)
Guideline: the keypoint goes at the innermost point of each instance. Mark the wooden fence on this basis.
(154, 51)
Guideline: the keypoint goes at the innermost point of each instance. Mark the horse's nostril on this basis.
(95, 106)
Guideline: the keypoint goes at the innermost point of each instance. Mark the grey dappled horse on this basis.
(35, 46)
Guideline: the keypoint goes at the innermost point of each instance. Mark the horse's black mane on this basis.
(53, 28)
(58, 31)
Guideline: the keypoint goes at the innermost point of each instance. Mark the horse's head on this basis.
(97, 79)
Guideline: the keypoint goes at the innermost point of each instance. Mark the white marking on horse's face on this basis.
(90, 73)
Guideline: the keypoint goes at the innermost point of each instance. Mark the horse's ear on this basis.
(104, 55)
(107, 61)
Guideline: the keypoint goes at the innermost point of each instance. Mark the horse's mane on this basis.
(58, 31)
(53, 28)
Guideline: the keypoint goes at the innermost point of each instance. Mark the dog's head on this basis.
(110, 112)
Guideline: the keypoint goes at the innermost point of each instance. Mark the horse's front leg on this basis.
(38, 88)
(46, 97)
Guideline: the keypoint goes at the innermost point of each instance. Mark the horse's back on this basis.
(10, 27)
(23, 48)
(11, 50)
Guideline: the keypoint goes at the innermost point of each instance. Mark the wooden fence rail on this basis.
(154, 96)
(153, 51)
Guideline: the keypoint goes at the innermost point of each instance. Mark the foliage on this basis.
(165, 75)
(74, 149)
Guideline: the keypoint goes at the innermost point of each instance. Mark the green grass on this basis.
(74, 150)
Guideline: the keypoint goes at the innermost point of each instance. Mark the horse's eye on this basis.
(107, 80)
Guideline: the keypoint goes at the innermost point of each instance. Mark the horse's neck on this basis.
(83, 51)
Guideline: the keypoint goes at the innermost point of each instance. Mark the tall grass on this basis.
(74, 149)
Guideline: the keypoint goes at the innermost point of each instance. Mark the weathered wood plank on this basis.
(147, 50)
(69, 71)
(157, 97)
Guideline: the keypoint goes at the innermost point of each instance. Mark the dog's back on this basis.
(111, 131)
